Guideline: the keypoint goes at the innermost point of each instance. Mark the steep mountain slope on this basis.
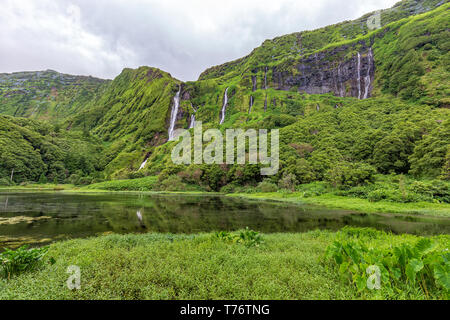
(343, 96)
(302, 44)
(403, 67)
(46, 95)
(408, 58)
(131, 117)
(32, 150)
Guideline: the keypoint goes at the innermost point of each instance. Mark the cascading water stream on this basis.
(192, 123)
(367, 78)
(251, 105)
(359, 76)
(254, 85)
(143, 164)
(340, 84)
(174, 114)
(225, 102)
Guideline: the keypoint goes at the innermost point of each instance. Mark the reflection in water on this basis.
(139, 216)
(84, 215)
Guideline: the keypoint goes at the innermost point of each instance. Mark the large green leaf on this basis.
(423, 246)
(442, 276)
(413, 267)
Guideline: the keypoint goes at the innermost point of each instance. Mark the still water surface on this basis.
(41, 218)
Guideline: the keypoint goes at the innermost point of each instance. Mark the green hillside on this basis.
(35, 151)
(351, 104)
(46, 95)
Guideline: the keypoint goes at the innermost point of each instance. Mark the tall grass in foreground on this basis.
(227, 265)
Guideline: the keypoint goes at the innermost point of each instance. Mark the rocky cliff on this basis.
(330, 72)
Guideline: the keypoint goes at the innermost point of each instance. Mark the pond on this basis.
(38, 218)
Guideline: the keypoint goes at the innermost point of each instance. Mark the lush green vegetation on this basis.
(403, 129)
(13, 262)
(389, 153)
(369, 256)
(301, 44)
(141, 184)
(352, 203)
(37, 151)
(46, 95)
(210, 266)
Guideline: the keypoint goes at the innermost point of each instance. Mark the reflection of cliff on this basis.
(75, 216)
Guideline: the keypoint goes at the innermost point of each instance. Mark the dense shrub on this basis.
(172, 183)
(247, 237)
(6, 182)
(313, 189)
(346, 175)
(288, 182)
(21, 260)
(435, 189)
(266, 186)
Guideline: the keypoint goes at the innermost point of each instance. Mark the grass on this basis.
(40, 187)
(202, 266)
(140, 184)
(353, 203)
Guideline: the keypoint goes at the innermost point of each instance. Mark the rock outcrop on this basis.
(330, 72)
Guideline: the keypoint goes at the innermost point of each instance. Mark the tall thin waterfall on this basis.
(359, 75)
(265, 78)
(254, 85)
(143, 164)
(192, 123)
(251, 105)
(174, 114)
(367, 78)
(224, 107)
(265, 88)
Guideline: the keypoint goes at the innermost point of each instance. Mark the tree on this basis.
(43, 178)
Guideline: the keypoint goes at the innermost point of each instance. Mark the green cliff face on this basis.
(46, 95)
(342, 94)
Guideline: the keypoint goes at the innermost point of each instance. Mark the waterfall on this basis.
(340, 84)
(265, 79)
(192, 123)
(139, 215)
(225, 102)
(265, 88)
(254, 83)
(367, 78)
(140, 219)
(143, 164)
(251, 105)
(359, 75)
(173, 116)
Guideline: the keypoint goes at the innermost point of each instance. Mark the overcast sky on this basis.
(182, 37)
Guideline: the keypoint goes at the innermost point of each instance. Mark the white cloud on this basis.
(182, 37)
